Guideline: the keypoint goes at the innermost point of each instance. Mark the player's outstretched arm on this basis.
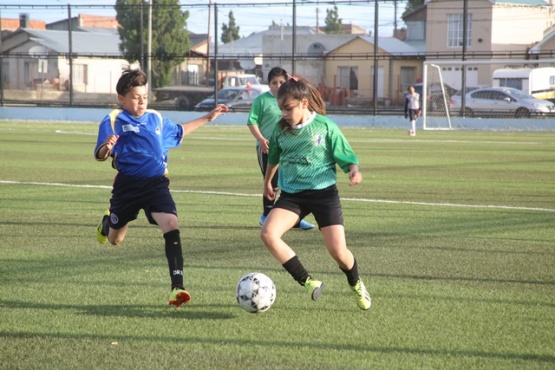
(191, 126)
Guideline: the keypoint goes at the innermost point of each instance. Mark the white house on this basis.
(41, 58)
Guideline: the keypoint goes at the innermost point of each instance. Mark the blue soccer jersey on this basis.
(143, 143)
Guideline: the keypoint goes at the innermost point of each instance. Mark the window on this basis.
(80, 74)
(348, 78)
(511, 82)
(455, 30)
(408, 76)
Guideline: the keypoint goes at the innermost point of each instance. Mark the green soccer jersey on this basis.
(265, 113)
(308, 157)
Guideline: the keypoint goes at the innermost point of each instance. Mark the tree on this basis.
(413, 5)
(231, 32)
(334, 24)
(170, 39)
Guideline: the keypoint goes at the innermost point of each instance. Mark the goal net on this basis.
(487, 89)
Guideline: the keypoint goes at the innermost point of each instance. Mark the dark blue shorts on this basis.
(131, 194)
(324, 205)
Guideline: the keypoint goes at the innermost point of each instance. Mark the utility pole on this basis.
(376, 69)
(294, 37)
(317, 21)
(395, 18)
(207, 74)
(463, 69)
(149, 48)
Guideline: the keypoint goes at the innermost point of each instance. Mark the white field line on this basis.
(365, 200)
(352, 140)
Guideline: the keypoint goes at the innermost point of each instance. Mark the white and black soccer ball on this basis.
(255, 292)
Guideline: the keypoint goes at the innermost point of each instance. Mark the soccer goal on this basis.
(435, 99)
(497, 88)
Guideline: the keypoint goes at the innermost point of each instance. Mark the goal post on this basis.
(435, 100)
(443, 104)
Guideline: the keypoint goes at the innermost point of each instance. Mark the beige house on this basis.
(495, 29)
(351, 67)
(546, 47)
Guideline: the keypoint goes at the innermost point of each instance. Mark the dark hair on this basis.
(299, 88)
(277, 72)
(129, 79)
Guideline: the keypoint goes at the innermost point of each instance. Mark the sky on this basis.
(250, 15)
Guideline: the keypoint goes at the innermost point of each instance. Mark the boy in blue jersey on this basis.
(138, 140)
(307, 147)
(263, 118)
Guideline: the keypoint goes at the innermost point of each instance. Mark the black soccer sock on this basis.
(105, 225)
(174, 254)
(352, 274)
(268, 205)
(296, 269)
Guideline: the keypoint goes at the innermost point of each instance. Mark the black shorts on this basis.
(324, 205)
(131, 194)
(413, 114)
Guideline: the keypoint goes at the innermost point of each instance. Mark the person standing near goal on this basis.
(412, 108)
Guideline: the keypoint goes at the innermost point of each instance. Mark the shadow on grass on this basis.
(189, 312)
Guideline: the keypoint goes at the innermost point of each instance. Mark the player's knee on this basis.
(115, 240)
(266, 236)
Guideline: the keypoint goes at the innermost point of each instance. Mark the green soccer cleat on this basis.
(100, 237)
(314, 287)
(361, 295)
(179, 297)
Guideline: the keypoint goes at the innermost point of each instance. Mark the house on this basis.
(195, 68)
(350, 66)
(546, 47)
(345, 61)
(495, 29)
(250, 54)
(39, 59)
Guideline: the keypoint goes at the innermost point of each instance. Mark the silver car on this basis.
(501, 101)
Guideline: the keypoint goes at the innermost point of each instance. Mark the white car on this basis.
(505, 101)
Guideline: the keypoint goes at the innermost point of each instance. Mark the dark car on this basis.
(180, 97)
(436, 100)
(235, 98)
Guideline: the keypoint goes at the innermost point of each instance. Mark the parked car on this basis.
(501, 101)
(179, 97)
(468, 89)
(435, 99)
(236, 98)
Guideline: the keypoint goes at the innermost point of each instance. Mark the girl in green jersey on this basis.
(307, 147)
(263, 118)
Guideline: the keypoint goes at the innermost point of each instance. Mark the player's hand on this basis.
(111, 140)
(406, 116)
(221, 108)
(264, 145)
(269, 192)
(355, 177)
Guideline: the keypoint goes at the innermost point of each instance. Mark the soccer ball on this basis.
(255, 292)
